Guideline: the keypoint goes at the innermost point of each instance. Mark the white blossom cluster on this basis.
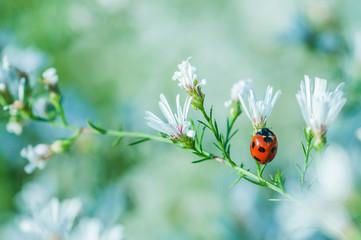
(56, 220)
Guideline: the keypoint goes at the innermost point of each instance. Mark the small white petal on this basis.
(166, 110)
(240, 88)
(244, 107)
(187, 75)
(51, 76)
(6, 63)
(186, 107)
(254, 106)
(21, 89)
(191, 133)
(30, 168)
(259, 111)
(14, 127)
(228, 103)
(36, 156)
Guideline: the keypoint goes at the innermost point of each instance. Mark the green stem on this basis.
(229, 129)
(107, 132)
(256, 178)
(217, 136)
(54, 123)
(259, 169)
(60, 109)
(138, 135)
(62, 115)
(307, 161)
(249, 176)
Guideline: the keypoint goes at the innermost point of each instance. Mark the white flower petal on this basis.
(177, 123)
(259, 111)
(52, 219)
(30, 168)
(187, 75)
(191, 133)
(320, 107)
(21, 89)
(244, 107)
(6, 63)
(166, 110)
(36, 156)
(51, 76)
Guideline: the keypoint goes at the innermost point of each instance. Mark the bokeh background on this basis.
(114, 58)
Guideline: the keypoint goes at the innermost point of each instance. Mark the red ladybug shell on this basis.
(264, 146)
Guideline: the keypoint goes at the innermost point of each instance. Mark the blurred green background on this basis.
(114, 58)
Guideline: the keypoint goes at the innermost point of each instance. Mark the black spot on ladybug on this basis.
(265, 132)
(261, 149)
(253, 144)
(256, 158)
(273, 149)
(267, 139)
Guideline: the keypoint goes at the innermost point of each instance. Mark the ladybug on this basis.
(264, 146)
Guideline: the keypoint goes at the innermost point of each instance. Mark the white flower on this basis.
(28, 60)
(51, 77)
(93, 229)
(334, 162)
(19, 103)
(52, 221)
(259, 111)
(187, 76)
(36, 156)
(14, 127)
(177, 124)
(37, 192)
(319, 107)
(322, 206)
(239, 88)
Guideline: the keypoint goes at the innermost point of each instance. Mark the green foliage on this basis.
(97, 128)
(278, 180)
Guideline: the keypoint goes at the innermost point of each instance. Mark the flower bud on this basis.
(55, 97)
(234, 108)
(187, 141)
(51, 79)
(197, 98)
(45, 109)
(187, 78)
(5, 96)
(320, 142)
(60, 146)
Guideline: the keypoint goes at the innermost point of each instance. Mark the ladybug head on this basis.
(265, 132)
